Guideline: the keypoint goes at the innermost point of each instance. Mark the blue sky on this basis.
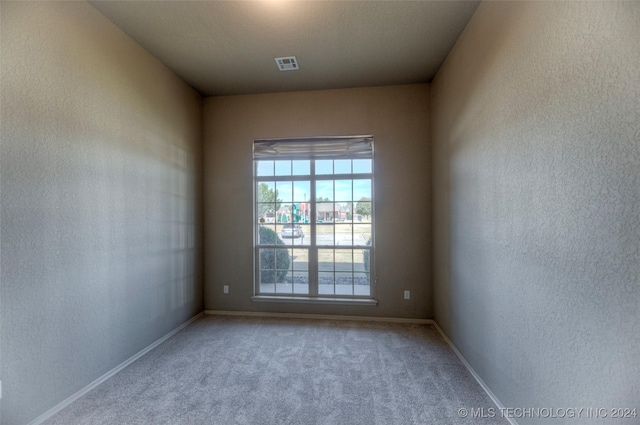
(342, 190)
(323, 167)
(300, 191)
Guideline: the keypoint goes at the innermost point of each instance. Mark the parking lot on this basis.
(330, 234)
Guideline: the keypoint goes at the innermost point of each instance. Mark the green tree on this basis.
(363, 207)
(267, 200)
(321, 199)
(274, 264)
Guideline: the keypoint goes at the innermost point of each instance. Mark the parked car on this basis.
(292, 231)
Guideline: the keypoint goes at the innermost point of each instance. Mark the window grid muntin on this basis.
(313, 248)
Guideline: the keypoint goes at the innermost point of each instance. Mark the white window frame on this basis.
(321, 148)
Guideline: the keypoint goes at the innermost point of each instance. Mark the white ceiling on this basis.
(228, 47)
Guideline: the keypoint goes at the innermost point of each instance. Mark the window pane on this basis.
(300, 270)
(361, 166)
(264, 168)
(282, 264)
(300, 260)
(343, 190)
(361, 285)
(305, 235)
(284, 191)
(305, 215)
(267, 235)
(266, 260)
(267, 213)
(324, 234)
(285, 231)
(295, 234)
(361, 262)
(301, 191)
(343, 234)
(301, 168)
(325, 212)
(266, 191)
(266, 207)
(301, 283)
(362, 234)
(363, 211)
(295, 218)
(267, 288)
(325, 260)
(362, 189)
(344, 284)
(346, 209)
(342, 166)
(324, 166)
(267, 264)
(362, 272)
(274, 268)
(324, 190)
(279, 232)
(284, 288)
(325, 283)
(343, 260)
(283, 168)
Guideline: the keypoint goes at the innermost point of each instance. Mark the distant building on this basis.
(331, 212)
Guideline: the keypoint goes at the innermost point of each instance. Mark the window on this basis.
(314, 219)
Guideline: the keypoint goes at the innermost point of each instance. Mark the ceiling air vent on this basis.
(287, 64)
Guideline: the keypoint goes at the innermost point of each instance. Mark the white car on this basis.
(292, 231)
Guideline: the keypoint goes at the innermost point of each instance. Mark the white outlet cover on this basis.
(407, 295)
(225, 289)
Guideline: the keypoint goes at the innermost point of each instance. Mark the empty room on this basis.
(319, 212)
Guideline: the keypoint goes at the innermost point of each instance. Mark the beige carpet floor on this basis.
(240, 370)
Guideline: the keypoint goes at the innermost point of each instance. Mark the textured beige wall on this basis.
(100, 202)
(536, 129)
(397, 116)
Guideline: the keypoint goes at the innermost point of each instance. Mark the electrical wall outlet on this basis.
(225, 289)
(0, 389)
(407, 295)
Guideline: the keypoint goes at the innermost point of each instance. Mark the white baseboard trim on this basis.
(58, 407)
(319, 317)
(477, 377)
(49, 413)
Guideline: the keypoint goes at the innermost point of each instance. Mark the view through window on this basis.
(314, 230)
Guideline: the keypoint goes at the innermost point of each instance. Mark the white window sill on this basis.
(314, 300)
